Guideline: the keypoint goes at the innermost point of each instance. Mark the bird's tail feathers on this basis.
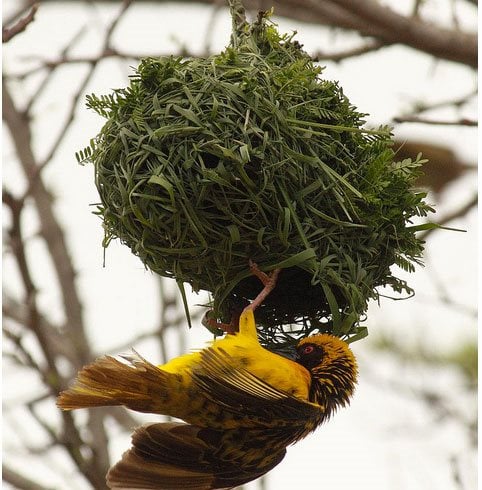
(136, 383)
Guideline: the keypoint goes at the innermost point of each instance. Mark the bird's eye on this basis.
(308, 349)
(309, 355)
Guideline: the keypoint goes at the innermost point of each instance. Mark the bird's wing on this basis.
(245, 395)
(175, 456)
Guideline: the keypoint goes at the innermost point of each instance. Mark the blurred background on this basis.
(412, 424)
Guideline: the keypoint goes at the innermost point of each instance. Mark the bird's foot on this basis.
(217, 327)
(268, 281)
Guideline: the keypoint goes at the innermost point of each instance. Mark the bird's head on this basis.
(333, 370)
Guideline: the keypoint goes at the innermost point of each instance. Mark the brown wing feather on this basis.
(175, 456)
(245, 396)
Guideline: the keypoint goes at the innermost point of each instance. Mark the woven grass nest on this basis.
(206, 163)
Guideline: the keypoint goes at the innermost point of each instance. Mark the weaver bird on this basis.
(242, 404)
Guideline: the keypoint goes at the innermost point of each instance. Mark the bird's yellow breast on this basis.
(276, 370)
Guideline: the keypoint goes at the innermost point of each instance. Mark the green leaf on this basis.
(164, 183)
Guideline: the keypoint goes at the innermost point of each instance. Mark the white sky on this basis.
(384, 440)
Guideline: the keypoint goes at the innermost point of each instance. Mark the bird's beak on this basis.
(288, 351)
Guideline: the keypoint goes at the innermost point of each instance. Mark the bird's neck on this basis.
(332, 387)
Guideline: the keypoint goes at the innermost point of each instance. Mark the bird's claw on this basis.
(217, 327)
(268, 281)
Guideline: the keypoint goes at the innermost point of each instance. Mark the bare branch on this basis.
(371, 18)
(23, 7)
(51, 378)
(458, 213)
(456, 476)
(50, 229)
(157, 332)
(70, 117)
(420, 106)
(444, 295)
(93, 467)
(83, 85)
(42, 86)
(19, 481)
(18, 313)
(22, 356)
(122, 417)
(20, 26)
(368, 47)
(449, 44)
(45, 64)
(422, 120)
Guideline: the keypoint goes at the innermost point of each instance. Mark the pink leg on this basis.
(214, 325)
(269, 282)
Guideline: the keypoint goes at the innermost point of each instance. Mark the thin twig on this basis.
(368, 47)
(419, 106)
(51, 378)
(443, 294)
(42, 423)
(122, 417)
(81, 89)
(435, 122)
(458, 213)
(20, 25)
(18, 312)
(23, 7)
(50, 229)
(372, 18)
(156, 333)
(443, 43)
(23, 356)
(456, 476)
(19, 481)
(45, 82)
(62, 60)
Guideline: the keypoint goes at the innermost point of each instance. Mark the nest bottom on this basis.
(294, 300)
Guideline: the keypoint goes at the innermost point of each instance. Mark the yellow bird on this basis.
(242, 404)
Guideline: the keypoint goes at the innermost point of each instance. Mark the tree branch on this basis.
(80, 91)
(19, 26)
(18, 313)
(19, 481)
(436, 122)
(52, 377)
(449, 44)
(370, 18)
(458, 213)
(368, 47)
(459, 101)
(50, 230)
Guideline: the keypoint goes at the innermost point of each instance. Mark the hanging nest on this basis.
(206, 163)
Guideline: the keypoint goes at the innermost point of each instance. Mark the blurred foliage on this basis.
(463, 356)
